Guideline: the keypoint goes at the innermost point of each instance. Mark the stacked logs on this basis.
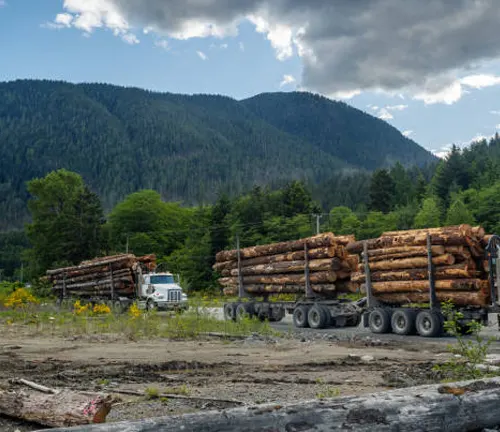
(101, 276)
(398, 262)
(281, 267)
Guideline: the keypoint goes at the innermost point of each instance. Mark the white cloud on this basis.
(130, 38)
(287, 80)
(449, 95)
(495, 112)
(480, 81)
(280, 36)
(345, 94)
(396, 107)
(202, 55)
(241, 45)
(384, 114)
(407, 133)
(497, 126)
(162, 43)
(223, 46)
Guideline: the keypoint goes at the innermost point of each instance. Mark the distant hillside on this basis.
(186, 147)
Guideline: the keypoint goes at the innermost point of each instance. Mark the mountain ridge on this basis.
(188, 147)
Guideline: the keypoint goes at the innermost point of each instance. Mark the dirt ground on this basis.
(212, 374)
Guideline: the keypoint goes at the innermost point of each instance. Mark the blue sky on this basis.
(434, 95)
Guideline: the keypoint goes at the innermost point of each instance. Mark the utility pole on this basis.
(318, 217)
(126, 245)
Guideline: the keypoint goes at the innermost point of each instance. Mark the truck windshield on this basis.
(162, 279)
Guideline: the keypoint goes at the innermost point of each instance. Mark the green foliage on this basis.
(467, 354)
(376, 223)
(12, 245)
(458, 213)
(382, 190)
(67, 220)
(342, 220)
(429, 215)
(188, 148)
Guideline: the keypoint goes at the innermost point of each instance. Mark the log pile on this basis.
(280, 267)
(398, 262)
(101, 276)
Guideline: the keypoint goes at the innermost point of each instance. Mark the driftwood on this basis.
(54, 408)
(423, 285)
(177, 396)
(465, 406)
(282, 279)
(320, 240)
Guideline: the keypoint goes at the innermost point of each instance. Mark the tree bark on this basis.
(282, 279)
(321, 240)
(317, 253)
(347, 286)
(410, 263)
(95, 276)
(120, 261)
(62, 409)
(461, 230)
(423, 285)
(478, 232)
(345, 239)
(409, 250)
(459, 298)
(331, 264)
(407, 240)
(440, 273)
(262, 289)
(123, 280)
(460, 407)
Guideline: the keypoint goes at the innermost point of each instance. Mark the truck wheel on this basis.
(379, 321)
(244, 310)
(229, 311)
(150, 305)
(300, 317)
(403, 322)
(318, 317)
(429, 324)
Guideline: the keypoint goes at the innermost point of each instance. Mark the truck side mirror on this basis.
(150, 289)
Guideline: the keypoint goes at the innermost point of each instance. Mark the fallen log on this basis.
(409, 263)
(320, 240)
(463, 406)
(331, 264)
(417, 274)
(423, 285)
(459, 298)
(60, 408)
(281, 279)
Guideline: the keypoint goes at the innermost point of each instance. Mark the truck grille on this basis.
(174, 296)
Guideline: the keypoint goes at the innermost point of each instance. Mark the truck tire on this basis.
(318, 317)
(229, 311)
(429, 323)
(379, 321)
(300, 319)
(403, 322)
(244, 310)
(150, 305)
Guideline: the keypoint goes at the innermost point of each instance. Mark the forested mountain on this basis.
(188, 148)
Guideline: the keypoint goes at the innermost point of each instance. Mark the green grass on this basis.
(192, 324)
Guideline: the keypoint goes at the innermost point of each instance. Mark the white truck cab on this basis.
(161, 291)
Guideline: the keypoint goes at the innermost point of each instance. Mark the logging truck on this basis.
(120, 281)
(404, 277)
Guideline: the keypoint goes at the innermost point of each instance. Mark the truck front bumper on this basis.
(175, 306)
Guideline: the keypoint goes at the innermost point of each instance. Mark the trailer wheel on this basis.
(379, 321)
(318, 317)
(403, 321)
(429, 324)
(300, 317)
(244, 310)
(229, 311)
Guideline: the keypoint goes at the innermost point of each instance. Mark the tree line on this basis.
(68, 223)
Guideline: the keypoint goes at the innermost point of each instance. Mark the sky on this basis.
(430, 68)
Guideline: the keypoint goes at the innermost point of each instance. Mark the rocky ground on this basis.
(214, 374)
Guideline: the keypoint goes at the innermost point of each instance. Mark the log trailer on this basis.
(403, 318)
(312, 310)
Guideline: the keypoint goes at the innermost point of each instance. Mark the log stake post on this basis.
(371, 301)
(241, 293)
(309, 293)
(434, 304)
(494, 274)
(64, 286)
(112, 282)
